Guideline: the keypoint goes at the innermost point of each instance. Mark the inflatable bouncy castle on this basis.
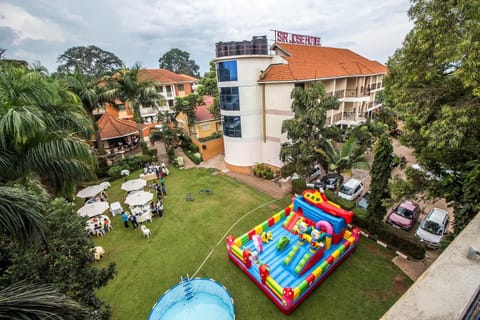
(291, 253)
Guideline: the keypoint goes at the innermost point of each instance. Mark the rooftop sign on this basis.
(287, 37)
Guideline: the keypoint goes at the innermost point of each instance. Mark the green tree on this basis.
(128, 88)
(92, 61)
(24, 300)
(64, 261)
(188, 105)
(433, 85)
(91, 93)
(179, 61)
(348, 156)
(208, 87)
(41, 123)
(304, 131)
(380, 175)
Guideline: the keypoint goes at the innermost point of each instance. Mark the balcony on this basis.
(148, 111)
(348, 119)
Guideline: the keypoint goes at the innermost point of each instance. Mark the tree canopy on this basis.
(380, 174)
(127, 87)
(208, 87)
(179, 61)
(304, 131)
(92, 61)
(434, 86)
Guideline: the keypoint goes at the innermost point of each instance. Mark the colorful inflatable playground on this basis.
(292, 252)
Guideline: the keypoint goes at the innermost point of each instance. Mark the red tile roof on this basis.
(311, 62)
(203, 111)
(111, 127)
(165, 76)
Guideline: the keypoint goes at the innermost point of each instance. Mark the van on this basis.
(351, 189)
(433, 228)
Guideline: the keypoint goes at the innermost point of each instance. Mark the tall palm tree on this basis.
(128, 88)
(91, 93)
(347, 157)
(41, 126)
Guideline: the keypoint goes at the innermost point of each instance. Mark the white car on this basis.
(351, 189)
(433, 228)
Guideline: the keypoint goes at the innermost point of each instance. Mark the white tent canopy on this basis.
(93, 209)
(139, 198)
(91, 191)
(134, 184)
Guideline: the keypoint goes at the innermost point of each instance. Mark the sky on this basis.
(39, 31)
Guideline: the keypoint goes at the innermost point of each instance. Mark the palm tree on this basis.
(127, 87)
(347, 157)
(91, 93)
(28, 301)
(41, 126)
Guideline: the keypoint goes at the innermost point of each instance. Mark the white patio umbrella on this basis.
(90, 191)
(93, 209)
(134, 184)
(139, 198)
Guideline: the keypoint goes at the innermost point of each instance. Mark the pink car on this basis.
(404, 215)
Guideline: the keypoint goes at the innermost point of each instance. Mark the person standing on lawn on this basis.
(125, 219)
(133, 219)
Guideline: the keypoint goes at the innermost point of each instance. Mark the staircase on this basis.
(187, 288)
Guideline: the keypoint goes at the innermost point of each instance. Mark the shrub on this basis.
(213, 136)
(263, 171)
(144, 147)
(155, 135)
(102, 169)
(344, 203)
(360, 218)
(298, 185)
(115, 172)
(194, 156)
(152, 152)
(401, 240)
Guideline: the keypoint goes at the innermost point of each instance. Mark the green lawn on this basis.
(363, 287)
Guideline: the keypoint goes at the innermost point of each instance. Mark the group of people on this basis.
(127, 218)
(98, 226)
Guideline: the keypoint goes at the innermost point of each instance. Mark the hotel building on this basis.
(255, 81)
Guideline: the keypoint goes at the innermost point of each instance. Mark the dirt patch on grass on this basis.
(273, 206)
(400, 284)
(375, 295)
(376, 249)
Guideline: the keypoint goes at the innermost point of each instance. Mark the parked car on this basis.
(351, 189)
(404, 215)
(315, 173)
(331, 181)
(433, 228)
(363, 202)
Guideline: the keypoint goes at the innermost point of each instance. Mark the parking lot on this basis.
(401, 150)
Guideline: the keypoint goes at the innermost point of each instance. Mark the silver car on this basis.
(433, 228)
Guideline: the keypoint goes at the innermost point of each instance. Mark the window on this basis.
(227, 71)
(160, 89)
(181, 87)
(229, 99)
(121, 107)
(232, 127)
(206, 126)
(170, 103)
(169, 91)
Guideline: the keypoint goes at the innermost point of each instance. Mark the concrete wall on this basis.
(210, 149)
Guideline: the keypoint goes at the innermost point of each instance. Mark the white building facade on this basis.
(255, 83)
